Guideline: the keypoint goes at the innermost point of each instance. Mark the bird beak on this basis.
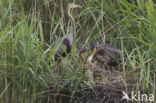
(77, 6)
(96, 47)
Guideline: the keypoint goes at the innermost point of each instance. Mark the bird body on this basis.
(106, 54)
(64, 44)
(64, 47)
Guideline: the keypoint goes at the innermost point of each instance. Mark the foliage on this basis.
(28, 28)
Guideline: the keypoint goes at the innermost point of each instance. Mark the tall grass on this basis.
(28, 28)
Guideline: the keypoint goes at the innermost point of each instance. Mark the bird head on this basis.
(93, 45)
(73, 5)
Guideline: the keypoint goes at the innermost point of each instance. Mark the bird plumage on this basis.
(64, 44)
(107, 54)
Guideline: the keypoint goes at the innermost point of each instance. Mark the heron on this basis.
(105, 54)
(64, 44)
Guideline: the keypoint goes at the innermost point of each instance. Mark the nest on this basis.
(108, 88)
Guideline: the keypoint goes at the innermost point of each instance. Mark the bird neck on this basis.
(73, 32)
(91, 56)
(94, 51)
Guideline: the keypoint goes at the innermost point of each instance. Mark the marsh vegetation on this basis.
(29, 27)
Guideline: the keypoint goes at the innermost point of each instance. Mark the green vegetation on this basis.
(28, 28)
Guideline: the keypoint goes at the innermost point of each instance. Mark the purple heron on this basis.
(64, 44)
(105, 54)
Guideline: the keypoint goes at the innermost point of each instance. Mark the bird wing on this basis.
(62, 46)
(112, 51)
(58, 46)
(102, 58)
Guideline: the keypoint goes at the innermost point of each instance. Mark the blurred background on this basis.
(29, 27)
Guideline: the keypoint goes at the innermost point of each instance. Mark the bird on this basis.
(106, 54)
(63, 45)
